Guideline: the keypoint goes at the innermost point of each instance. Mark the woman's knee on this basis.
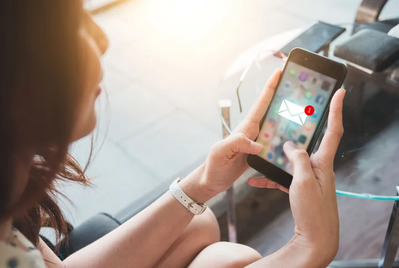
(206, 226)
(226, 254)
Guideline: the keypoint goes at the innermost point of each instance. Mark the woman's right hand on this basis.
(312, 192)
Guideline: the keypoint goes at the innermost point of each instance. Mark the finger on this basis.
(263, 182)
(300, 161)
(239, 143)
(258, 110)
(332, 137)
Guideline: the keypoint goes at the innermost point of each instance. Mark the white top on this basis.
(18, 252)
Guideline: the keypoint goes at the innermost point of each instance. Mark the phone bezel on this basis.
(319, 64)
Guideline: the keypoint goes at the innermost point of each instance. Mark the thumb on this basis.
(300, 160)
(239, 143)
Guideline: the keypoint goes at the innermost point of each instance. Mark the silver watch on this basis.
(185, 200)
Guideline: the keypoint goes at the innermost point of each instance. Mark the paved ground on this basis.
(162, 75)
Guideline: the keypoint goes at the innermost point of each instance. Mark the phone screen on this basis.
(294, 113)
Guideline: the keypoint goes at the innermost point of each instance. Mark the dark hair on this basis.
(42, 69)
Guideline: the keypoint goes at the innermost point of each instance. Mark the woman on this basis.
(50, 57)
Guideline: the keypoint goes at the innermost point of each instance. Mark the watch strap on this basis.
(185, 200)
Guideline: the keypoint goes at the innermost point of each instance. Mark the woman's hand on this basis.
(227, 159)
(312, 192)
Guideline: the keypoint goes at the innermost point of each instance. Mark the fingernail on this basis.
(289, 145)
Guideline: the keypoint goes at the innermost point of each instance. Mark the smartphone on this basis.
(314, 38)
(297, 111)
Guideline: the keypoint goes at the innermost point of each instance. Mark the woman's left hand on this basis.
(227, 159)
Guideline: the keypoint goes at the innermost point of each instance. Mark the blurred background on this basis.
(158, 114)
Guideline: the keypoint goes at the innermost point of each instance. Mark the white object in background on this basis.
(394, 31)
(226, 103)
(292, 112)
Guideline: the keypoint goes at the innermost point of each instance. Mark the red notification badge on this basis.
(309, 110)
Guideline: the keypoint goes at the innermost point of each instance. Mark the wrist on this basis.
(294, 254)
(310, 254)
(193, 185)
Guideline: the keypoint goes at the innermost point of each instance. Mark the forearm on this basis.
(146, 237)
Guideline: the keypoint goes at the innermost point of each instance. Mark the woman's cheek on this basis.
(85, 123)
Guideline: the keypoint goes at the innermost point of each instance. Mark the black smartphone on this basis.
(314, 38)
(297, 111)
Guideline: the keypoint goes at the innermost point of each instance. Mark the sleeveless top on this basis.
(18, 252)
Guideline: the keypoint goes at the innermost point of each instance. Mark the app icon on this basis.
(280, 160)
(291, 134)
(270, 155)
(274, 109)
(325, 85)
(308, 126)
(293, 72)
(302, 139)
(315, 114)
(292, 112)
(270, 123)
(276, 141)
(287, 84)
(320, 99)
(303, 76)
(308, 94)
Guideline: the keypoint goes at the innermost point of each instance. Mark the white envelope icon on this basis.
(292, 112)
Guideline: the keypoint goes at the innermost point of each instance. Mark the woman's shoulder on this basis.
(16, 251)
